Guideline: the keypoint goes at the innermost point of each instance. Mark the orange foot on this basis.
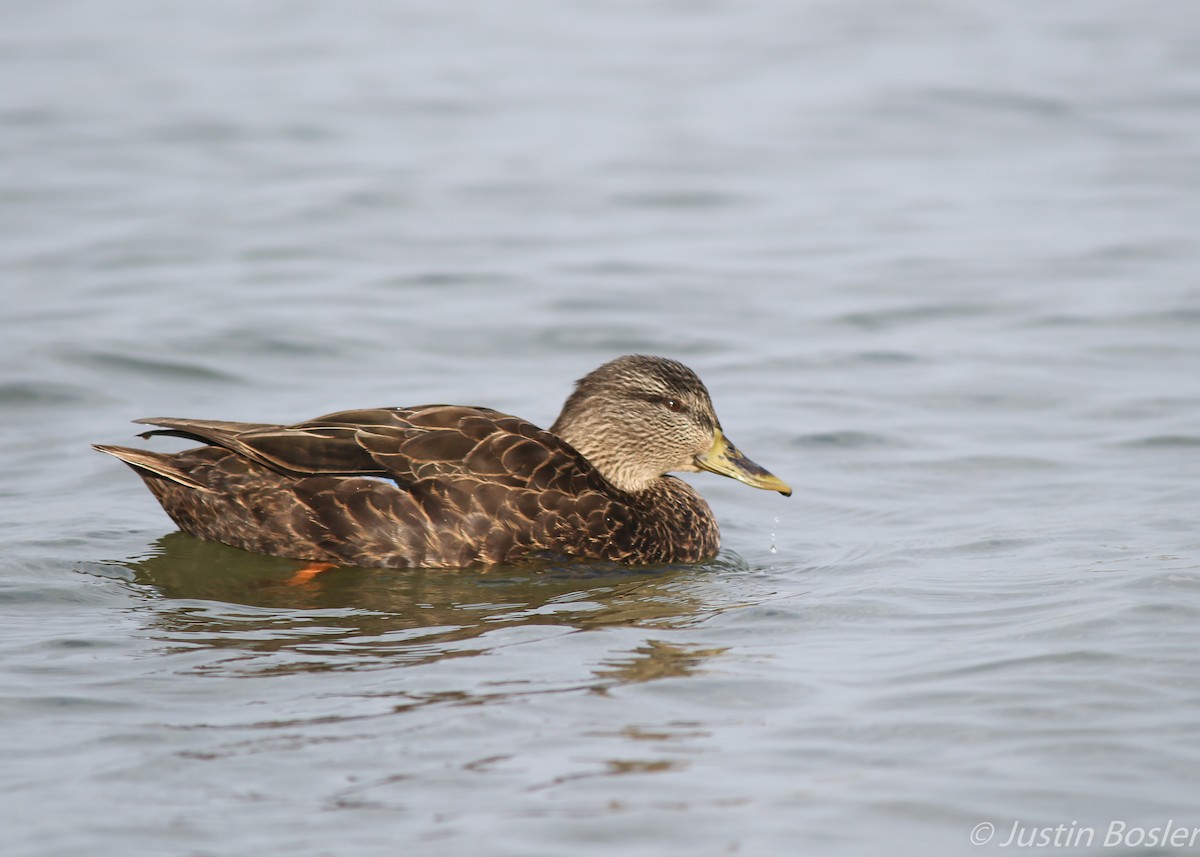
(307, 573)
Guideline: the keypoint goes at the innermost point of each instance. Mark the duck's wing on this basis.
(404, 444)
(305, 449)
(439, 442)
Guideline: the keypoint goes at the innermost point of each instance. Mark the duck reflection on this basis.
(658, 659)
(222, 597)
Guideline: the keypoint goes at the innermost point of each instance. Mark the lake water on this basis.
(937, 262)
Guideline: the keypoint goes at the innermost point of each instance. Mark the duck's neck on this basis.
(592, 439)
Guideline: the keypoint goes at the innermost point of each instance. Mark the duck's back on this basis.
(434, 486)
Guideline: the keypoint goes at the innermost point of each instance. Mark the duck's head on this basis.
(637, 418)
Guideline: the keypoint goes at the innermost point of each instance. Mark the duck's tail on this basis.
(152, 463)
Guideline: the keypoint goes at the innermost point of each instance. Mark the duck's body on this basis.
(448, 485)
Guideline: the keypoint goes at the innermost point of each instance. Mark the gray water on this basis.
(937, 262)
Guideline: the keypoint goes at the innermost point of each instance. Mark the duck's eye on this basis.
(673, 405)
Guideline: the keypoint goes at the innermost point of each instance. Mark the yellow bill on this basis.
(724, 458)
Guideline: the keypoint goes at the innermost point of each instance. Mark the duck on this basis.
(449, 486)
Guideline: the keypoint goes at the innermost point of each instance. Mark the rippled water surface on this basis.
(937, 262)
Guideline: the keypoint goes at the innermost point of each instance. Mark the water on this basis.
(936, 262)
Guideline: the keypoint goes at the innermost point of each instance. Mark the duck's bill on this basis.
(725, 458)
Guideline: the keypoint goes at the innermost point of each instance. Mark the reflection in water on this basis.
(657, 659)
(355, 618)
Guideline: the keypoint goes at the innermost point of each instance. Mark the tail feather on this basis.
(152, 463)
(217, 432)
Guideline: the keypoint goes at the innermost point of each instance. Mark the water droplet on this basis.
(774, 549)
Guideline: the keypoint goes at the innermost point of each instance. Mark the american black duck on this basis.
(450, 485)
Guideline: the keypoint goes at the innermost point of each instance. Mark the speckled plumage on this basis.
(449, 485)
